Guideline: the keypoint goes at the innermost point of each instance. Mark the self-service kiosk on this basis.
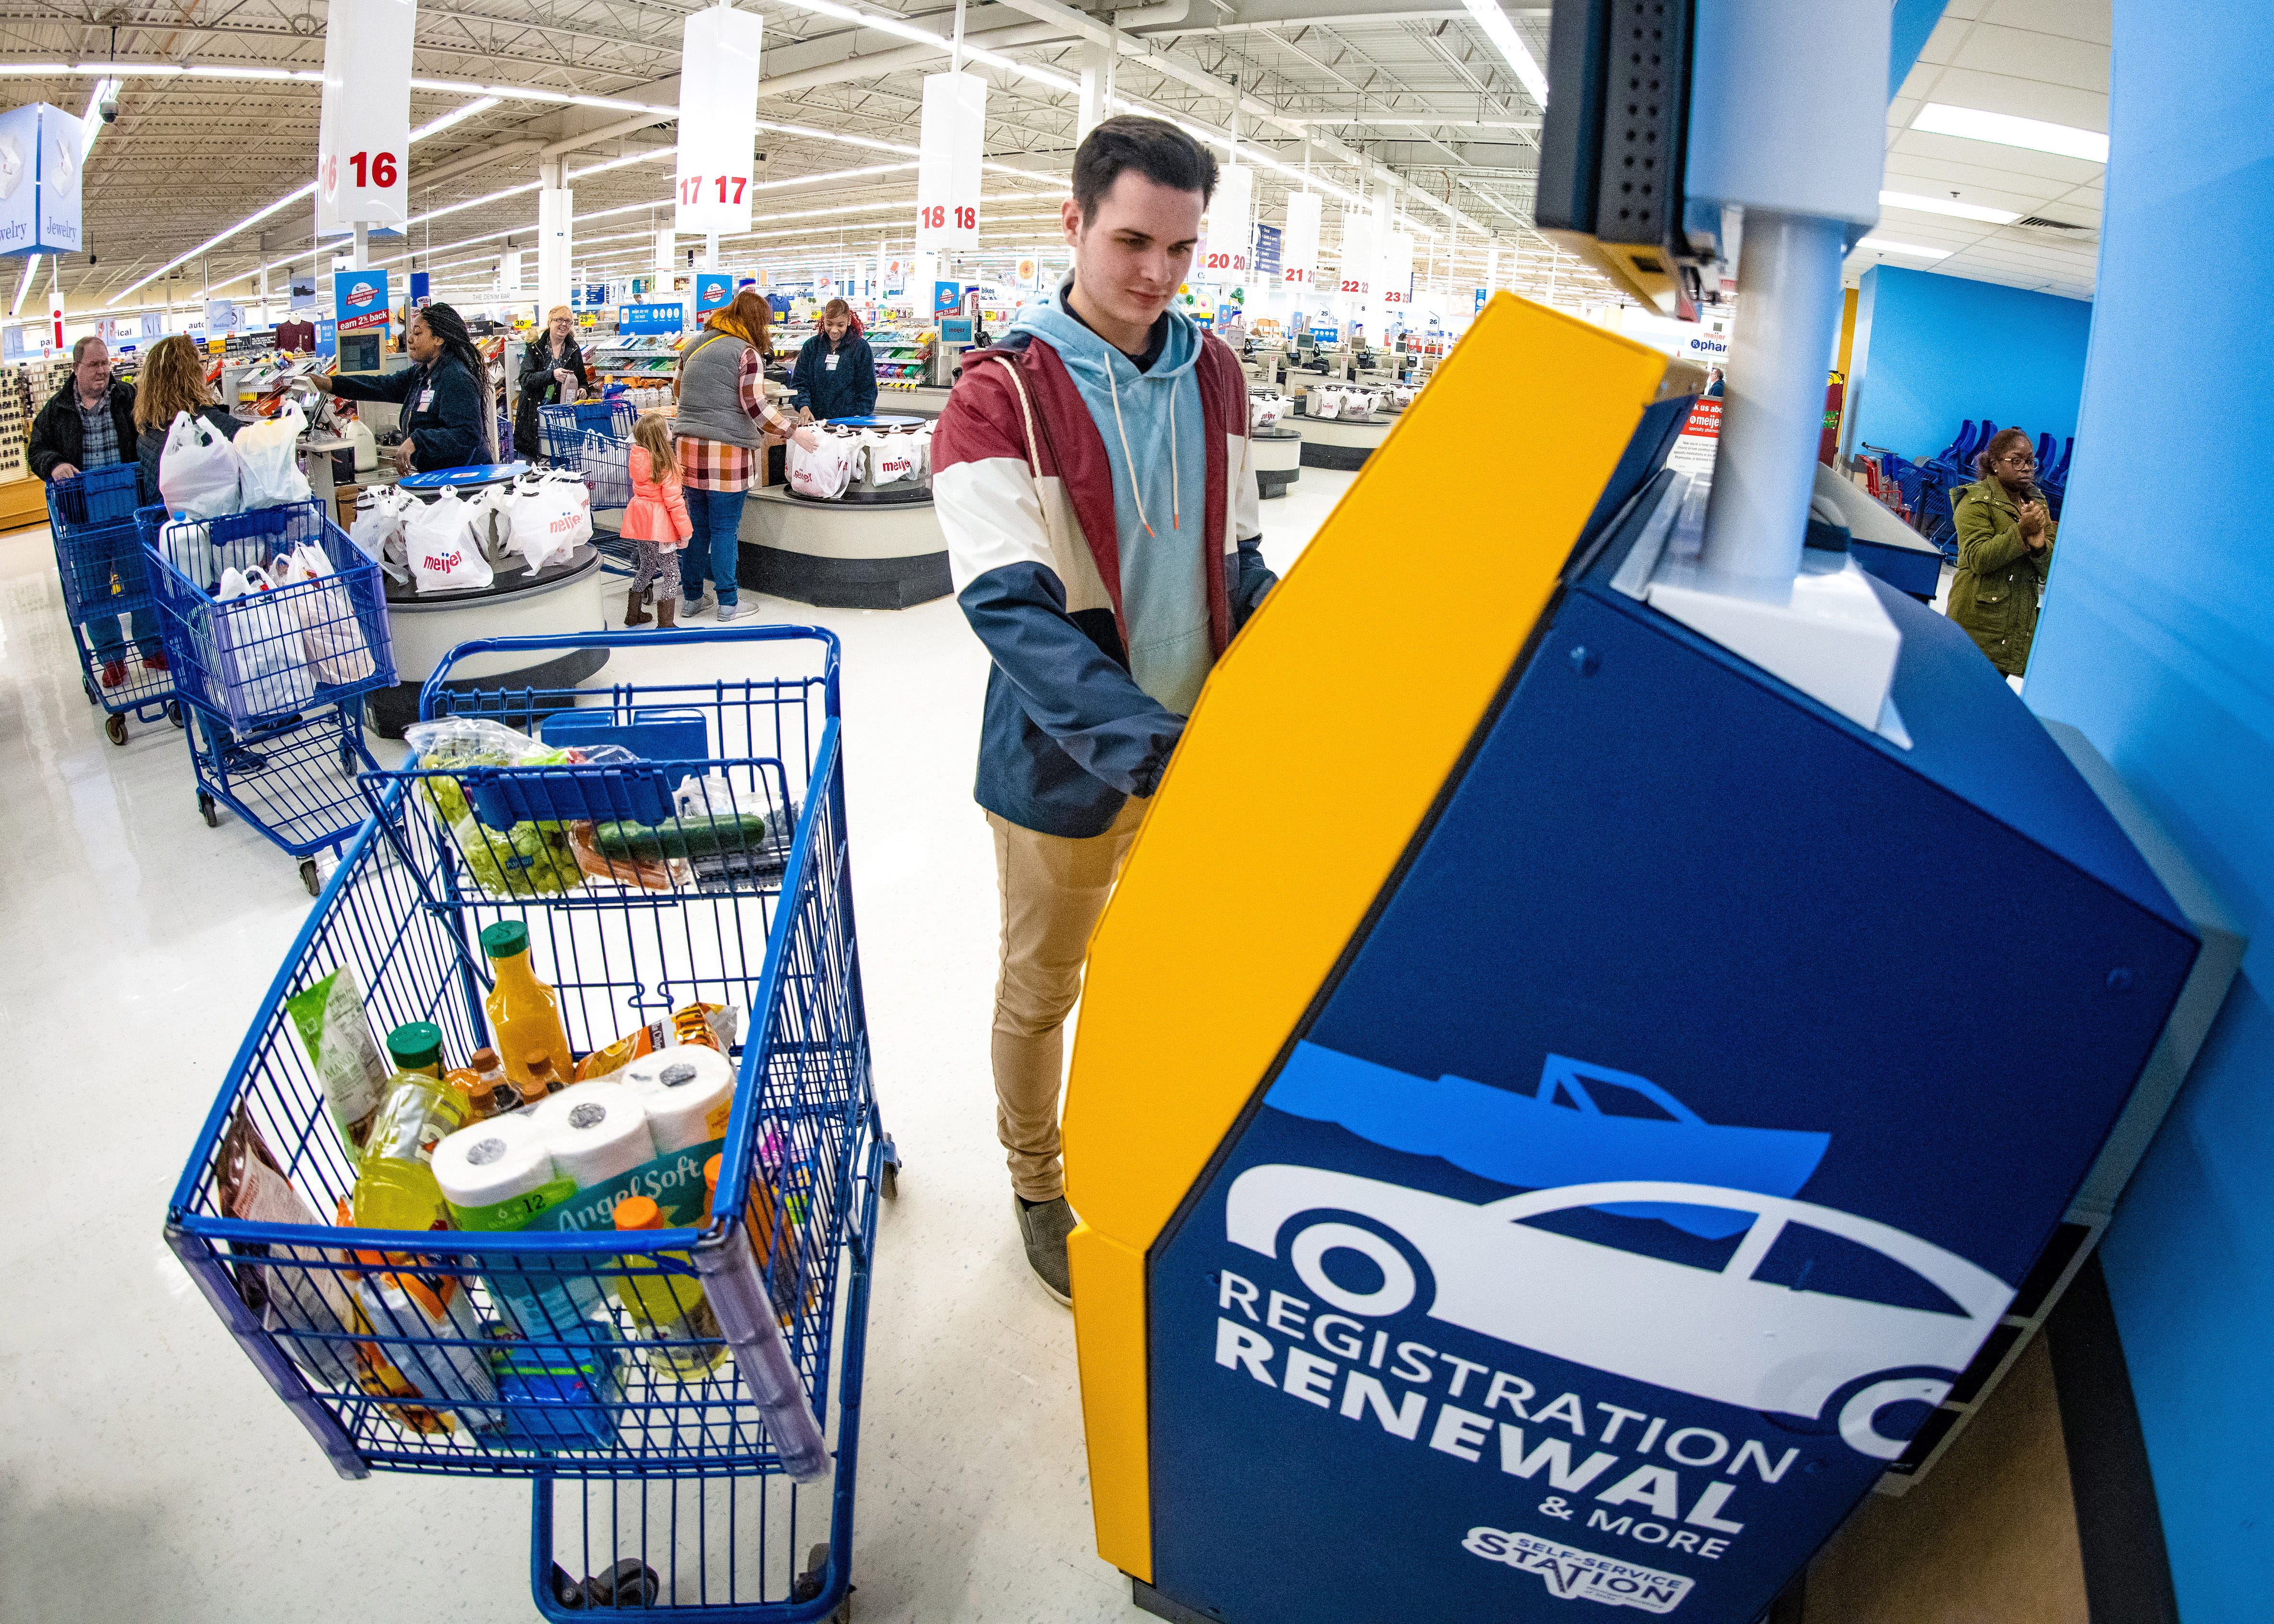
(1607, 1009)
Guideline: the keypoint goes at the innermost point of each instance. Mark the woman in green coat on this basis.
(2004, 540)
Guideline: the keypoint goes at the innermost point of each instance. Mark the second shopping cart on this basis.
(275, 626)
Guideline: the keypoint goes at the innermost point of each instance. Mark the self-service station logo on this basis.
(1715, 1309)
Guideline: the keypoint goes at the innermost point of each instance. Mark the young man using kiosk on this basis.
(1091, 470)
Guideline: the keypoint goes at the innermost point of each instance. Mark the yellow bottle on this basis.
(669, 1311)
(524, 1016)
(396, 1188)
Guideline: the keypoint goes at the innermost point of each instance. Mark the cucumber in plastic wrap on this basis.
(696, 834)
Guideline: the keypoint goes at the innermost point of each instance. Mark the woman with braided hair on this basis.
(449, 415)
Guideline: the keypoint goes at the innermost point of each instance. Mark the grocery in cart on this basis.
(554, 1152)
(276, 625)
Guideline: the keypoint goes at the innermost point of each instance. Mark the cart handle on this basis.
(430, 691)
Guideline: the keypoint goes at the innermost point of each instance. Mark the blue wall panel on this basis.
(1939, 349)
(2158, 641)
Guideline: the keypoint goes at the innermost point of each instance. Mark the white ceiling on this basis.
(2042, 59)
(189, 156)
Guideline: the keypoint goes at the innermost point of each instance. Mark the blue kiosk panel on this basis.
(1662, 1153)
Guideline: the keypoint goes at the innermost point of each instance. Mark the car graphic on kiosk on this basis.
(1714, 1333)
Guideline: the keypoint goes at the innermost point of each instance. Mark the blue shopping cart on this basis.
(99, 560)
(705, 1461)
(274, 681)
(593, 438)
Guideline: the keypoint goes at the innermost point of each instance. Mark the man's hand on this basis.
(404, 453)
(63, 470)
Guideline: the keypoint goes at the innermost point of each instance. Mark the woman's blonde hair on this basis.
(556, 312)
(172, 381)
(652, 434)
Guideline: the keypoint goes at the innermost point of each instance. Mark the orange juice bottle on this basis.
(524, 1015)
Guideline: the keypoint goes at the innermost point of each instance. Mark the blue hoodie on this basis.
(1150, 423)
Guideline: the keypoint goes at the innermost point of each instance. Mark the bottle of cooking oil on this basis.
(670, 1314)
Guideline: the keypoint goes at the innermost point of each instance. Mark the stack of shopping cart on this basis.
(276, 625)
(99, 558)
(700, 1456)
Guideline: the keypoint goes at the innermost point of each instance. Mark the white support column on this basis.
(1096, 85)
(555, 236)
(360, 259)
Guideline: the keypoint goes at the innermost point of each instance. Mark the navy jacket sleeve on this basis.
(1085, 701)
(863, 386)
(389, 386)
(1251, 579)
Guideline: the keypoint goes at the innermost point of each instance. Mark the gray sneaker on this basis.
(1044, 1227)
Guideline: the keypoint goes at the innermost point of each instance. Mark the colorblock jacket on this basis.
(1026, 494)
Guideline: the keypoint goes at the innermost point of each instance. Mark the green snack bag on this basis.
(345, 1057)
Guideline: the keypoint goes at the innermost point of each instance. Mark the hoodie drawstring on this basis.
(1131, 456)
(1176, 492)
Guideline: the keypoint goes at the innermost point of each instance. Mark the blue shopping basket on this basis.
(99, 560)
(273, 654)
(527, 1353)
(275, 682)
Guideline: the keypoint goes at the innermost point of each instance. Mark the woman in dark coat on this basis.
(836, 375)
(552, 370)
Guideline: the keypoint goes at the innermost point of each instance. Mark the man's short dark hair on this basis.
(1154, 147)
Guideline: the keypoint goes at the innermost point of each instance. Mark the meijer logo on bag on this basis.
(440, 562)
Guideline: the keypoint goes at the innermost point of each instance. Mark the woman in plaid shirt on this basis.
(723, 416)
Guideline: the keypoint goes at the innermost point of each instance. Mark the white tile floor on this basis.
(145, 1471)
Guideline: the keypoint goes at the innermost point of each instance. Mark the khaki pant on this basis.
(1053, 889)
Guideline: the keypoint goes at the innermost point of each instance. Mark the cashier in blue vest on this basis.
(836, 375)
(450, 413)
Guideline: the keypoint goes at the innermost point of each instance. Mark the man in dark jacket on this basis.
(836, 375)
(89, 422)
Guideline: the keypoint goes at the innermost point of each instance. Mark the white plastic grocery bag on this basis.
(894, 459)
(198, 473)
(446, 553)
(260, 662)
(822, 472)
(1326, 404)
(269, 451)
(378, 530)
(331, 635)
(550, 518)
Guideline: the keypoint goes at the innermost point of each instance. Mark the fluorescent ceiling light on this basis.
(457, 116)
(1510, 44)
(1880, 244)
(1947, 205)
(2066, 140)
(258, 215)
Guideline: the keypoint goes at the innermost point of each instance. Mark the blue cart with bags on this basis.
(273, 678)
(99, 560)
(685, 1399)
(593, 438)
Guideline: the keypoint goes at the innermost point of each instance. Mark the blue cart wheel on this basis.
(210, 812)
(88, 684)
(114, 728)
(174, 713)
(310, 878)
